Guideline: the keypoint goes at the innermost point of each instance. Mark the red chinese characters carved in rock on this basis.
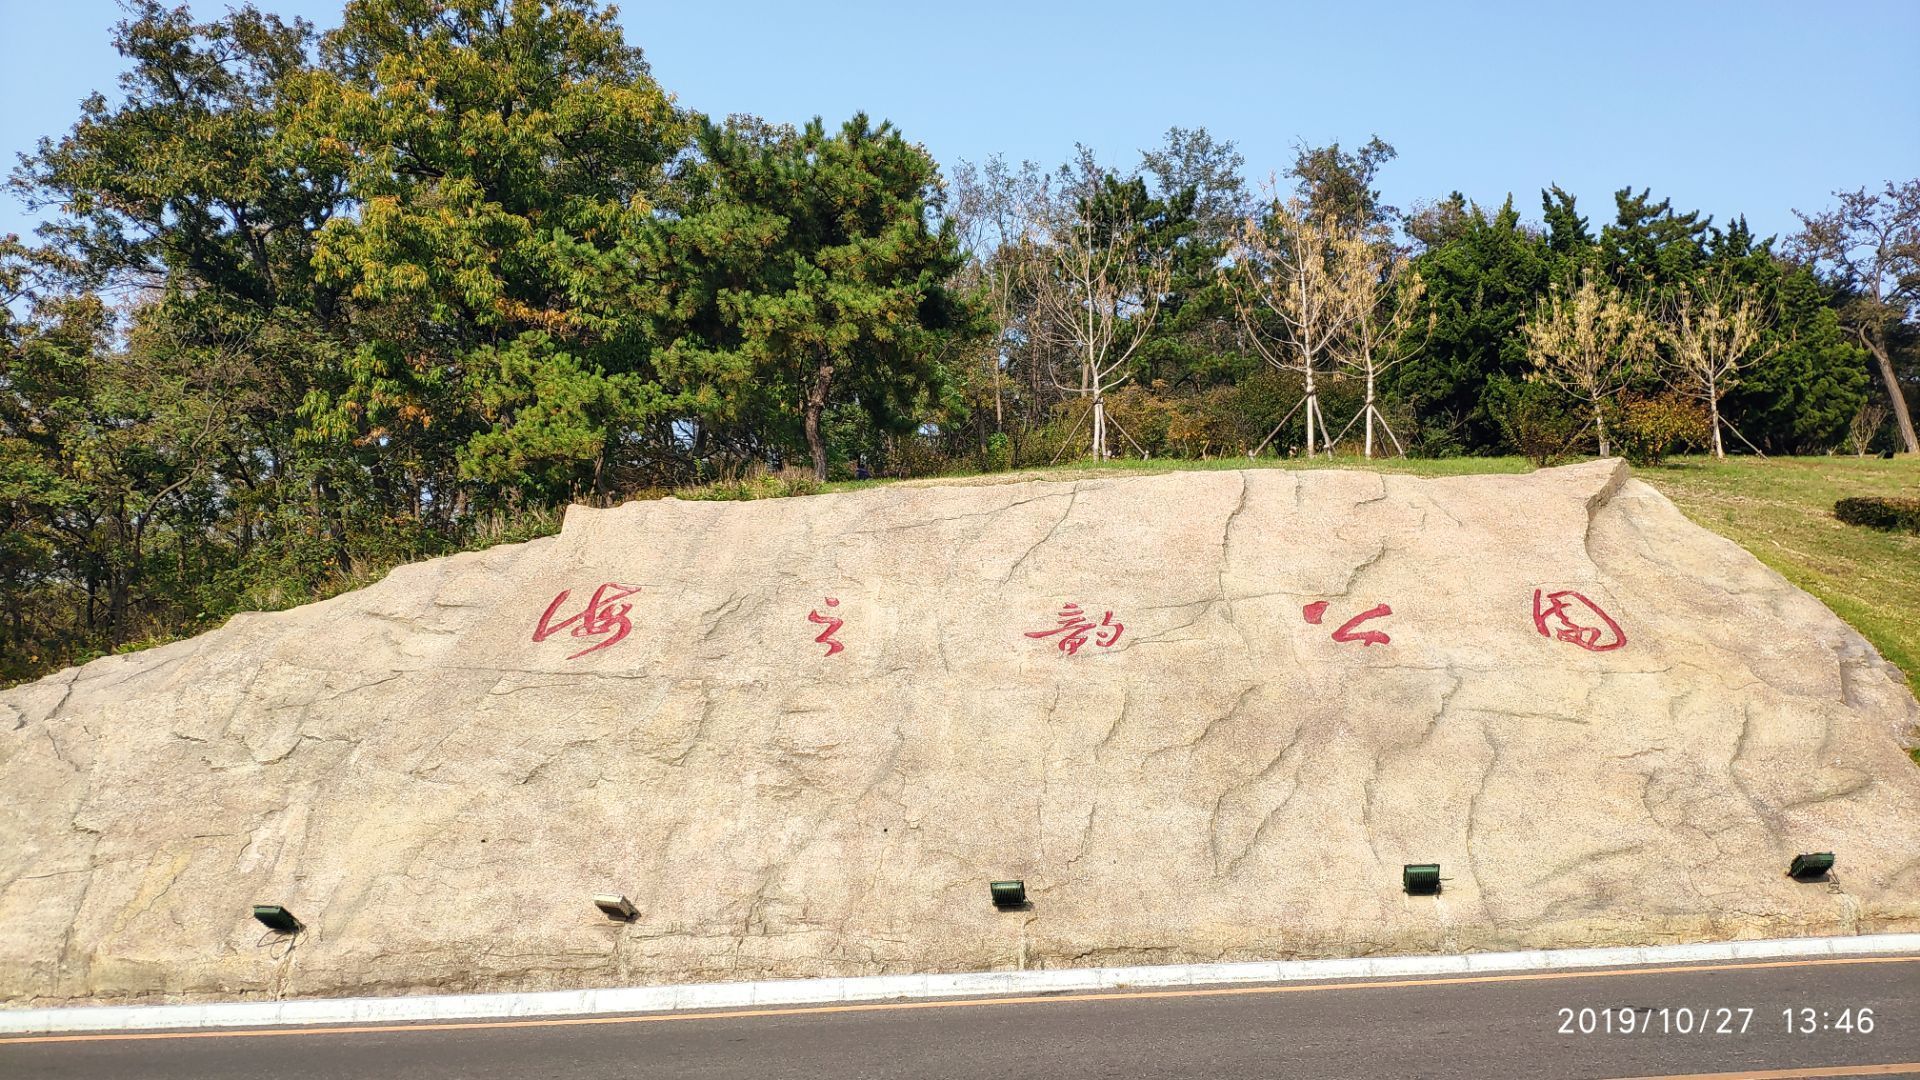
(1075, 627)
(1572, 618)
(832, 624)
(1317, 610)
(603, 617)
(1364, 637)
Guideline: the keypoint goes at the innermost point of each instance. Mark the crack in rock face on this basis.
(1203, 716)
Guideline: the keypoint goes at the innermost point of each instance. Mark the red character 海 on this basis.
(602, 615)
(1576, 620)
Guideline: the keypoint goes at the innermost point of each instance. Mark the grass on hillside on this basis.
(1781, 509)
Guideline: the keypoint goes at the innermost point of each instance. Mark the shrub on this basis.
(757, 484)
(1142, 417)
(998, 455)
(1650, 428)
(1061, 437)
(917, 455)
(1877, 512)
(1206, 425)
(1537, 420)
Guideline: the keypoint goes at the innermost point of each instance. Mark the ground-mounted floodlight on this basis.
(1008, 895)
(615, 906)
(1421, 879)
(276, 918)
(1810, 866)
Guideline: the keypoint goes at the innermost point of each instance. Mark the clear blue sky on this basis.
(1750, 107)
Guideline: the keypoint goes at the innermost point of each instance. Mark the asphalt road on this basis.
(1477, 1027)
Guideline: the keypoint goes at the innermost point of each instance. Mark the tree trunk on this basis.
(999, 420)
(1901, 416)
(1099, 428)
(120, 570)
(1367, 418)
(1600, 423)
(117, 596)
(816, 406)
(1313, 406)
(1719, 448)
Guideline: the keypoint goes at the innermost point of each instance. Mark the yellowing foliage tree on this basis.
(1285, 274)
(1714, 331)
(1589, 341)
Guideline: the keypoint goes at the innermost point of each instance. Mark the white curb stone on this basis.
(785, 992)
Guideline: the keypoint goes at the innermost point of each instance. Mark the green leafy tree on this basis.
(1481, 285)
(1802, 396)
(38, 367)
(185, 190)
(1869, 246)
(506, 157)
(1567, 234)
(812, 274)
(1182, 239)
(1650, 248)
(185, 175)
(1435, 224)
(105, 454)
(1339, 185)
(176, 418)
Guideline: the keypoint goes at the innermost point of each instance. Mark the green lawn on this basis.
(1781, 509)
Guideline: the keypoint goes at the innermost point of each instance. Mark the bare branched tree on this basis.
(1870, 247)
(1588, 342)
(1866, 427)
(1096, 294)
(1714, 332)
(1383, 297)
(1284, 276)
(999, 208)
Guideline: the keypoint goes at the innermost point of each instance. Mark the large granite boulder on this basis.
(1204, 716)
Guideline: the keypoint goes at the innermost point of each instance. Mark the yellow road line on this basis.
(960, 1003)
(1906, 1068)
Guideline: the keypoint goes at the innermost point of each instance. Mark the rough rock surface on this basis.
(1219, 776)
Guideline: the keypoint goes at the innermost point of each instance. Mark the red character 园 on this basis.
(1576, 620)
(1075, 626)
(602, 615)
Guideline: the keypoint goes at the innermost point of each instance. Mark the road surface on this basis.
(1718, 1020)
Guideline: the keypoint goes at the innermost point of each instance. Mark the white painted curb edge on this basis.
(644, 999)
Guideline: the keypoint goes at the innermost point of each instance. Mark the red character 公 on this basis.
(832, 624)
(1313, 613)
(1585, 625)
(1075, 626)
(602, 615)
(1364, 637)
